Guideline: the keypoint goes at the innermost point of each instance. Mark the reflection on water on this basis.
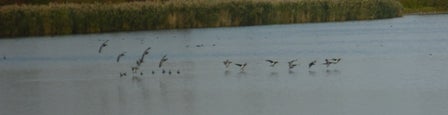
(291, 72)
(274, 74)
(332, 72)
(227, 73)
(386, 70)
(312, 73)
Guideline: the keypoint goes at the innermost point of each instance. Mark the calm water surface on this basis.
(389, 67)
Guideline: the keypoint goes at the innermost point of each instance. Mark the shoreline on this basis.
(426, 13)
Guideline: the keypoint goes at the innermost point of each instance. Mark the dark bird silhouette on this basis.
(169, 72)
(134, 69)
(119, 56)
(164, 59)
(153, 72)
(273, 62)
(336, 60)
(292, 61)
(163, 71)
(146, 52)
(291, 64)
(178, 72)
(312, 63)
(227, 63)
(327, 63)
(242, 66)
(4, 57)
(102, 46)
(122, 74)
(139, 62)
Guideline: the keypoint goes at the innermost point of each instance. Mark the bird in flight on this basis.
(122, 74)
(312, 63)
(134, 69)
(139, 62)
(119, 56)
(273, 62)
(227, 63)
(336, 60)
(242, 66)
(102, 46)
(164, 59)
(327, 63)
(291, 64)
(146, 52)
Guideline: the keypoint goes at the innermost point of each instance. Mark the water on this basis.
(392, 66)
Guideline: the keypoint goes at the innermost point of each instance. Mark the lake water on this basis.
(389, 67)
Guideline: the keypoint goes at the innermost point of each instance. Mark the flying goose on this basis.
(102, 46)
(227, 63)
(273, 62)
(312, 63)
(119, 56)
(122, 74)
(146, 52)
(336, 60)
(327, 63)
(134, 69)
(164, 59)
(139, 62)
(291, 64)
(242, 66)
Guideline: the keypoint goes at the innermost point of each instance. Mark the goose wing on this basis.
(146, 52)
(148, 48)
(160, 63)
(118, 58)
(311, 64)
(239, 64)
(101, 47)
(292, 61)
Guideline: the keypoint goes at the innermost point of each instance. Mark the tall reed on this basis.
(55, 19)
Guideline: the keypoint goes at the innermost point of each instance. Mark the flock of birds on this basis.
(227, 63)
(291, 63)
(139, 61)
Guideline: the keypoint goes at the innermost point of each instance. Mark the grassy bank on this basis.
(424, 6)
(56, 19)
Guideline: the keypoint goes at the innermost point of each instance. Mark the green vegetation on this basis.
(41, 2)
(70, 18)
(424, 6)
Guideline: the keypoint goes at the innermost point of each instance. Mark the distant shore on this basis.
(71, 18)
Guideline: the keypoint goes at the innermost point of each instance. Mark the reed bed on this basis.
(70, 18)
(412, 6)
